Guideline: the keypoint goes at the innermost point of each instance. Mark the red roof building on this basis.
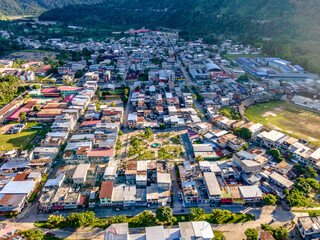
(98, 155)
(90, 123)
(106, 193)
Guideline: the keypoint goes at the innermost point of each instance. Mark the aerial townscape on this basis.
(152, 133)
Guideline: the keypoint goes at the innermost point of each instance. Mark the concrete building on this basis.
(213, 186)
(80, 174)
(309, 227)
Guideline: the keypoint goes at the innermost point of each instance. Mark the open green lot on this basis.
(288, 118)
(15, 141)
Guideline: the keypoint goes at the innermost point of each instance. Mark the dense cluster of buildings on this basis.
(172, 84)
(275, 68)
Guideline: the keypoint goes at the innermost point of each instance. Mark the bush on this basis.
(314, 213)
(269, 199)
(144, 219)
(243, 133)
(276, 154)
(33, 234)
(119, 219)
(196, 213)
(56, 220)
(44, 178)
(164, 214)
(33, 196)
(279, 233)
(80, 219)
(230, 113)
(252, 234)
(311, 172)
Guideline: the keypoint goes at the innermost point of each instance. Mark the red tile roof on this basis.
(49, 90)
(21, 177)
(100, 152)
(88, 123)
(43, 69)
(69, 89)
(106, 189)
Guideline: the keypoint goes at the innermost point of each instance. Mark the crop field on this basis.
(293, 120)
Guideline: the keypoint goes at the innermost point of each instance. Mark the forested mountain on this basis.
(30, 7)
(292, 25)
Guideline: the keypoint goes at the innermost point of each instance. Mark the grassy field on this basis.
(293, 120)
(219, 234)
(15, 141)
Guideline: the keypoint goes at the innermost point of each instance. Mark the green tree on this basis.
(118, 144)
(297, 199)
(313, 183)
(244, 133)
(269, 199)
(55, 220)
(221, 216)
(148, 133)
(164, 214)
(298, 168)
(200, 98)
(302, 185)
(31, 234)
(230, 113)
(196, 213)
(252, 234)
(199, 158)
(124, 98)
(36, 108)
(23, 115)
(79, 74)
(118, 219)
(243, 78)
(120, 133)
(280, 233)
(276, 154)
(145, 219)
(99, 94)
(267, 227)
(80, 219)
(311, 172)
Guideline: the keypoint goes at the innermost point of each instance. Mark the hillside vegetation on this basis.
(31, 7)
(292, 25)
